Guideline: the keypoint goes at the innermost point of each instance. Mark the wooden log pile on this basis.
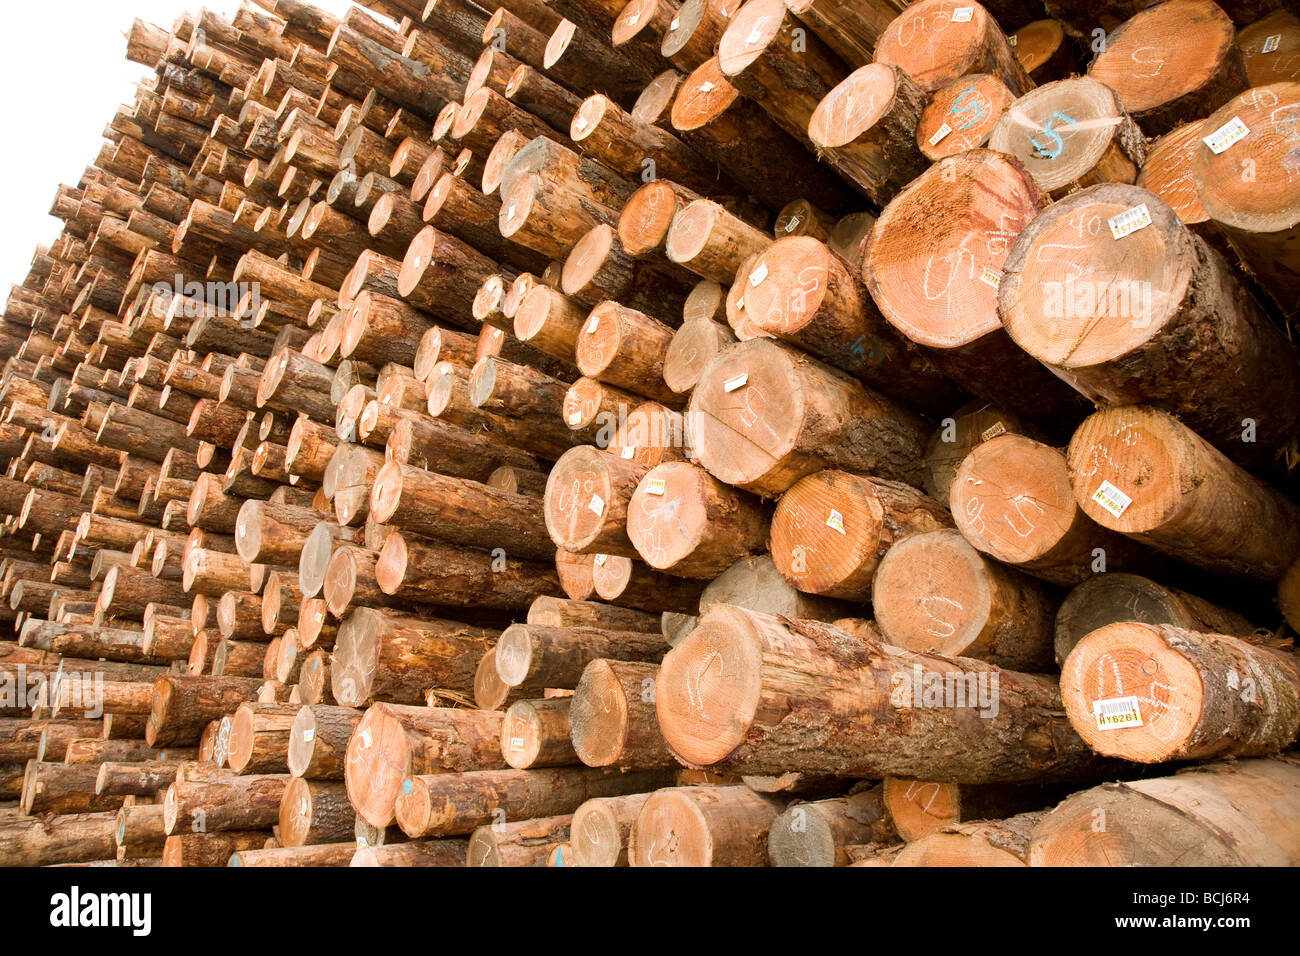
(796, 433)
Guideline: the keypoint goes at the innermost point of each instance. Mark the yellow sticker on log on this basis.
(993, 431)
(991, 277)
(1111, 498)
(940, 134)
(1230, 132)
(835, 520)
(1129, 221)
(517, 744)
(962, 15)
(1117, 712)
(655, 486)
(1271, 43)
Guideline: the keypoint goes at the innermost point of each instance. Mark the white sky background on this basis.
(63, 73)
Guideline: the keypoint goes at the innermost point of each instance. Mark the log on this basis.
(763, 415)
(223, 803)
(413, 853)
(559, 612)
(1219, 814)
(866, 128)
(683, 521)
(831, 529)
(533, 657)
(963, 114)
(918, 808)
(318, 741)
(183, 706)
(612, 717)
(383, 656)
(210, 849)
(1180, 81)
(443, 804)
(755, 583)
(536, 733)
(932, 265)
(817, 833)
(259, 738)
(934, 593)
(1128, 317)
(523, 843)
(393, 742)
(1155, 692)
(586, 501)
(874, 729)
(1241, 190)
(935, 46)
(315, 812)
(1140, 471)
(702, 826)
(980, 843)
(1011, 498)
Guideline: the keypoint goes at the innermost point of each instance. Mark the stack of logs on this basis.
(590, 433)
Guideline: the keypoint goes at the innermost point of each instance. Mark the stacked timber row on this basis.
(819, 432)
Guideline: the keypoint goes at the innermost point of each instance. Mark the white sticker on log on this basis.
(597, 505)
(940, 134)
(991, 277)
(1117, 712)
(601, 559)
(1011, 40)
(517, 744)
(962, 15)
(580, 124)
(365, 737)
(706, 86)
(593, 325)
(627, 452)
(655, 486)
(1271, 43)
(993, 431)
(1129, 221)
(575, 418)
(1227, 134)
(757, 32)
(835, 520)
(759, 274)
(632, 20)
(731, 384)
(1111, 498)
(309, 735)
(677, 22)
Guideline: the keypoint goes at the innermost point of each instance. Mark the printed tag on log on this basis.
(993, 431)
(962, 15)
(1111, 498)
(597, 505)
(991, 277)
(655, 486)
(517, 744)
(1271, 43)
(759, 274)
(309, 735)
(1227, 134)
(601, 559)
(1129, 221)
(593, 325)
(835, 520)
(940, 134)
(731, 384)
(627, 452)
(1117, 712)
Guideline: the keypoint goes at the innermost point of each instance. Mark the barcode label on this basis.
(990, 277)
(792, 224)
(1271, 43)
(835, 520)
(993, 431)
(1011, 40)
(731, 384)
(517, 744)
(309, 735)
(1111, 498)
(654, 486)
(940, 134)
(597, 505)
(1129, 221)
(1117, 712)
(1227, 134)
(601, 559)
(963, 14)
(759, 274)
